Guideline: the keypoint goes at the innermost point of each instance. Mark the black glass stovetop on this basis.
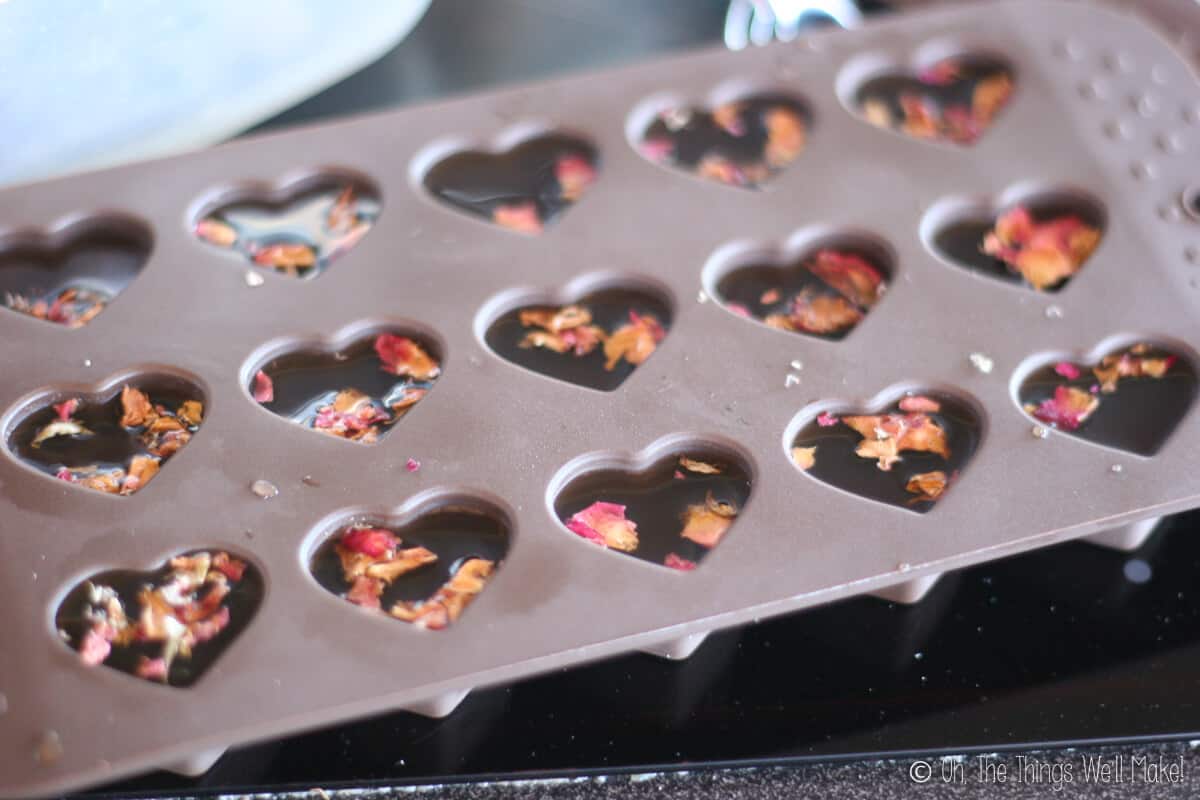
(1070, 644)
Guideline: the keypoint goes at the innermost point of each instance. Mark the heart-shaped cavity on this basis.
(671, 512)
(1039, 240)
(355, 392)
(595, 339)
(68, 276)
(298, 229)
(523, 188)
(114, 441)
(1132, 398)
(907, 452)
(743, 142)
(168, 625)
(424, 570)
(823, 288)
(954, 99)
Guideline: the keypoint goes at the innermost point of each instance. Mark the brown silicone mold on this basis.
(501, 438)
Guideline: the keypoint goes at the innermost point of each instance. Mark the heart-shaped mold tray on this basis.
(523, 445)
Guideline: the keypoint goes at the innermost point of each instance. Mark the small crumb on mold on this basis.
(87, 362)
(982, 363)
(254, 279)
(309, 480)
(49, 748)
(797, 365)
(264, 489)
(412, 465)
(1054, 312)
(1116, 468)
(791, 380)
(1040, 431)
(701, 296)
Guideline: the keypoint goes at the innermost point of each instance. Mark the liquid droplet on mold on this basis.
(87, 362)
(903, 566)
(1142, 170)
(3, 703)
(1054, 312)
(309, 480)
(264, 489)
(1117, 468)
(701, 296)
(918, 655)
(982, 362)
(254, 279)
(791, 380)
(1040, 431)
(49, 748)
(797, 365)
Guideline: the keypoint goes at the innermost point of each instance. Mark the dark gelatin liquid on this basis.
(1138, 417)
(480, 182)
(701, 136)
(242, 601)
(109, 444)
(961, 241)
(610, 310)
(838, 465)
(657, 501)
(101, 262)
(747, 285)
(302, 221)
(889, 88)
(307, 380)
(453, 533)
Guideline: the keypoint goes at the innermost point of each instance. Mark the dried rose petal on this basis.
(705, 523)
(920, 403)
(152, 669)
(286, 257)
(675, 561)
(635, 341)
(404, 562)
(366, 592)
(521, 217)
(1068, 409)
(574, 175)
(804, 457)
(989, 96)
(886, 436)
(1131, 364)
(448, 603)
(941, 73)
(1044, 253)
(927, 485)
(59, 428)
(769, 297)
(412, 465)
(401, 355)
(605, 524)
(850, 274)
(826, 420)
(657, 150)
(264, 388)
(216, 232)
(136, 408)
(66, 409)
(229, 566)
(739, 309)
(920, 117)
(373, 542)
(94, 648)
(700, 467)
(1067, 370)
(141, 470)
(191, 413)
(820, 314)
(785, 136)
(341, 216)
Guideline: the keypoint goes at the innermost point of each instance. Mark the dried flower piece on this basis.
(1068, 409)
(566, 329)
(928, 486)
(785, 136)
(216, 232)
(447, 603)
(885, 436)
(372, 542)
(826, 420)
(342, 214)
(989, 96)
(606, 525)
(401, 355)
(520, 217)
(574, 175)
(804, 457)
(60, 427)
(404, 562)
(816, 313)
(634, 341)
(141, 470)
(264, 388)
(136, 408)
(850, 274)
(920, 403)
(770, 297)
(1044, 253)
(366, 592)
(287, 257)
(705, 523)
(1130, 364)
(675, 561)
(700, 467)
(352, 415)
(1067, 370)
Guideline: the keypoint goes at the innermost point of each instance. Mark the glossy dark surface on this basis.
(452, 535)
(610, 310)
(838, 465)
(658, 500)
